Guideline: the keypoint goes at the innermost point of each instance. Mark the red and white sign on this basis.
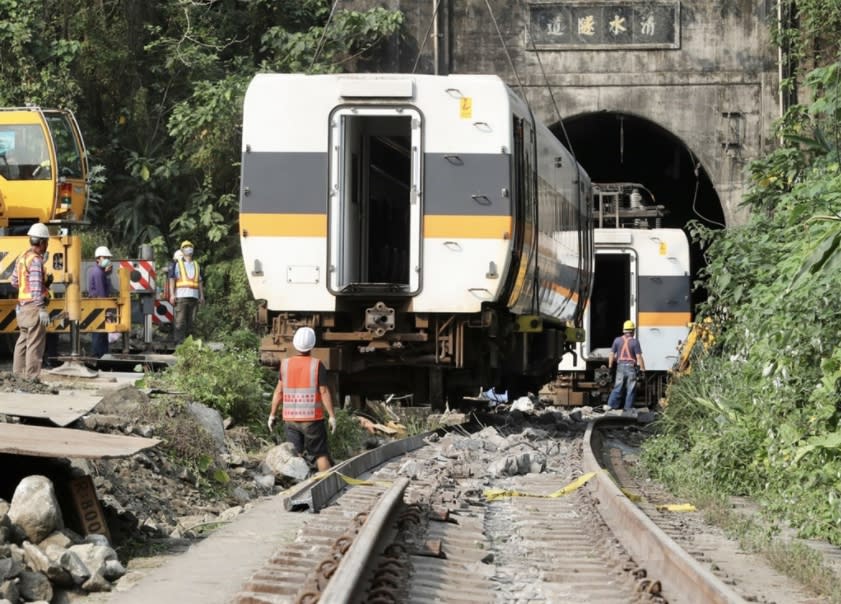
(142, 274)
(163, 313)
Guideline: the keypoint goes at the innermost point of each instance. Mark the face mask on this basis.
(105, 262)
(188, 251)
(46, 257)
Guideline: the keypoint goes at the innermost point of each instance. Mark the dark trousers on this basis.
(185, 317)
(99, 343)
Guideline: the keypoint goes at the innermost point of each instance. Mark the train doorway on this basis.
(612, 296)
(374, 219)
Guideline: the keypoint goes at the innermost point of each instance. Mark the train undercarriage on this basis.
(381, 349)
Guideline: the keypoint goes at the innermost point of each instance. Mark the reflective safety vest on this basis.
(625, 354)
(23, 267)
(301, 396)
(182, 279)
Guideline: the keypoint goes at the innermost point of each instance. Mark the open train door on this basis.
(614, 298)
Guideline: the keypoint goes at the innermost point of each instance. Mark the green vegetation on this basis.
(760, 414)
(231, 381)
(161, 109)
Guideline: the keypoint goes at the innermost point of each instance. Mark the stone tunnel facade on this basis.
(706, 71)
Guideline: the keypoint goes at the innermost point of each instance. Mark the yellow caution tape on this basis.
(495, 494)
(676, 507)
(632, 496)
(358, 482)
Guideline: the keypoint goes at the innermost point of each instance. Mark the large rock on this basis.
(34, 508)
(124, 402)
(282, 460)
(9, 591)
(35, 558)
(9, 569)
(512, 465)
(279, 455)
(95, 558)
(211, 421)
(35, 587)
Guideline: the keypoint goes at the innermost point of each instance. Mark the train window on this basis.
(375, 202)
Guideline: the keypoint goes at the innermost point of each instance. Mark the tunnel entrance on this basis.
(618, 147)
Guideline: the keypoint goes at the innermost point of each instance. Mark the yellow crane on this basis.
(44, 178)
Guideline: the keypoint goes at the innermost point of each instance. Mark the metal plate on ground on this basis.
(20, 439)
(130, 361)
(61, 409)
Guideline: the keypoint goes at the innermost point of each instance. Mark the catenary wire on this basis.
(426, 36)
(323, 36)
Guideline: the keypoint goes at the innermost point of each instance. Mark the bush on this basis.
(231, 381)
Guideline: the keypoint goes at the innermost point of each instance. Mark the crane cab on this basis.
(43, 168)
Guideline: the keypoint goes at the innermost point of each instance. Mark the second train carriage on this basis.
(435, 236)
(642, 272)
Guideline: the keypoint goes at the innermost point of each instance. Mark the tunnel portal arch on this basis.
(622, 147)
(614, 146)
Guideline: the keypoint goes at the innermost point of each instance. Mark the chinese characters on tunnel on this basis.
(613, 25)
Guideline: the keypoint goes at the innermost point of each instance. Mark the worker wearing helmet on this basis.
(186, 292)
(302, 388)
(626, 353)
(99, 286)
(30, 279)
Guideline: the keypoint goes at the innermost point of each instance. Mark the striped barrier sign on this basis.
(164, 313)
(142, 274)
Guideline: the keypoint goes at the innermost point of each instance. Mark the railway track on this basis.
(465, 517)
(446, 522)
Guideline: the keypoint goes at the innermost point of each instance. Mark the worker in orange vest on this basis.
(626, 353)
(302, 388)
(30, 279)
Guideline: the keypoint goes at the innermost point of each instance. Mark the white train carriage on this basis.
(429, 230)
(642, 274)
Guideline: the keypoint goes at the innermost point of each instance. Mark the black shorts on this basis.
(308, 436)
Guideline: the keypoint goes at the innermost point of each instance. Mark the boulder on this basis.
(211, 421)
(35, 558)
(9, 591)
(125, 402)
(9, 569)
(279, 455)
(34, 508)
(97, 583)
(94, 556)
(35, 587)
(72, 563)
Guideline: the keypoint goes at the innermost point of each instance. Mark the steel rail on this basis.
(679, 573)
(317, 492)
(348, 576)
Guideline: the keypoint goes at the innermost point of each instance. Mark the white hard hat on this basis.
(39, 230)
(304, 339)
(178, 255)
(101, 252)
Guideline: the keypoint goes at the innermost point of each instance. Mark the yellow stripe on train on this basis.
(663, 319)
(315, 225)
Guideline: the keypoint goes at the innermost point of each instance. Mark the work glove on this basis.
(271, 423)
(44, 317)
(332, 423)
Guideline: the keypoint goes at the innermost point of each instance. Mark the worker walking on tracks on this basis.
(186, 292)
(30, 279)
(302, 389)
(626, 353)
(99, 286)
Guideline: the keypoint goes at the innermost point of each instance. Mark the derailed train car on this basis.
(642, 272)
(435, 236)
